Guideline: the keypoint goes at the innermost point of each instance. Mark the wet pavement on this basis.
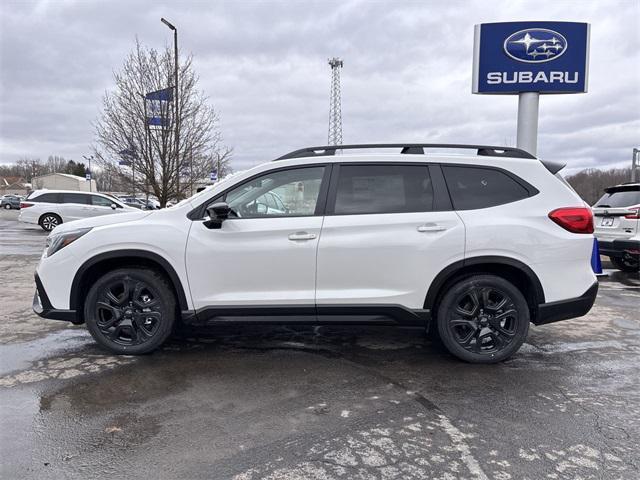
(248, 403)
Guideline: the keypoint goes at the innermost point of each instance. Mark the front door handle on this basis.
(431, 227)
(302, 236)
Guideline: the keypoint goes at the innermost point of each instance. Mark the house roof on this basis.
(68, 175)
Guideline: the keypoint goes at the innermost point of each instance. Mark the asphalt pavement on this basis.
(248, 403)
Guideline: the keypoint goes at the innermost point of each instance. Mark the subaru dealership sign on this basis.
(543, 57)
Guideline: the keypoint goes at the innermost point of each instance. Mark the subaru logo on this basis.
(535, 45)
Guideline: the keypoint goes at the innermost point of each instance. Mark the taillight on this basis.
(25, 205)
(573, 219)
(634, 216)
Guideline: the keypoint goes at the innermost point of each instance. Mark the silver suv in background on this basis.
(50, 208)
(617, 225)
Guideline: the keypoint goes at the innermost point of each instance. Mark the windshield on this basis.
(624, 198)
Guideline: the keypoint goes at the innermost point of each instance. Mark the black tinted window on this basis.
(472, 187)
(101, 201)
(383, 189)
(46, 197)
(74, 198)
(620, 198)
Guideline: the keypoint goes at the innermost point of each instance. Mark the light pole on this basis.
(88, 159)
(175, 100)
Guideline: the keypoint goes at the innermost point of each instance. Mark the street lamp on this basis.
(90, 172)
(175, 99)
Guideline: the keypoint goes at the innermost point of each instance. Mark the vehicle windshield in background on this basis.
(620, 198)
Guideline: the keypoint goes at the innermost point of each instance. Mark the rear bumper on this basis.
(618, 248)
(42, 306)
(566, 309)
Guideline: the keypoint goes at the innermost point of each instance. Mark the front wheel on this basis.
(483, 319)
(7, 206)
(130, 311)
(627, 263)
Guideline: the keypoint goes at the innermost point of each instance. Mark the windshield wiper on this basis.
(603, 206)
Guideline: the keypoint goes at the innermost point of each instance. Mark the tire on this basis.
(130, 310)
(483, 319)
(628, 263)
(49, 221)
(7, 206)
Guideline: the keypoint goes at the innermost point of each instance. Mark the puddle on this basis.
(19, 356)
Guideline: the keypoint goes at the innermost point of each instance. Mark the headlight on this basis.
(59, 241)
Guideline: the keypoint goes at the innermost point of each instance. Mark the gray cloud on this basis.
(407, 74)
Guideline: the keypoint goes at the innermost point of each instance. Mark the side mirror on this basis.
(218, 213)
(114, 206)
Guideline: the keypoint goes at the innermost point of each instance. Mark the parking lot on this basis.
(314, 403)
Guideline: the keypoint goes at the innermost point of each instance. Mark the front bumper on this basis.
(42, 306)
(566, 309)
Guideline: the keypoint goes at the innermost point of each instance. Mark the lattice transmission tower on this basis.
(335, 101)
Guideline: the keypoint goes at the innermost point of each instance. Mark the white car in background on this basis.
(50, 208)
(617, 225)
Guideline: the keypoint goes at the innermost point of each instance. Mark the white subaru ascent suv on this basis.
(473, 246)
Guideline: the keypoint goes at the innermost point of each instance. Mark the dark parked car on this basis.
(10, 201)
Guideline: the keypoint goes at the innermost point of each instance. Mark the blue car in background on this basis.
(10, 202)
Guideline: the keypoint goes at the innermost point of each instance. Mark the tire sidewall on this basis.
(167, 302)
(498, 283)
(46, 215)
(620, 264)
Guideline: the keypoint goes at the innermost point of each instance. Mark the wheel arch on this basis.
(104, 262)
(518, 273)
(49, 213)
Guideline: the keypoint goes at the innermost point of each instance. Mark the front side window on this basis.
(75, 198)
(99, 201)
(297, 189)
(364, 189)
(475, 187)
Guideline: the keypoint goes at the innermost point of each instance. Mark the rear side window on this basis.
(364, 189)
(74, 198)
(47, 198)
(475, 187)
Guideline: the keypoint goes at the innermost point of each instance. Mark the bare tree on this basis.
(591, 182)
(151, 151)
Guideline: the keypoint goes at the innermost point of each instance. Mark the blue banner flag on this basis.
(158, 108)
(164, 95)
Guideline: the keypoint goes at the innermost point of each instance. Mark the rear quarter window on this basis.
(478, 187)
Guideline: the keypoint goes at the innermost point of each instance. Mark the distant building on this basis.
(63, 181)
(13, 186)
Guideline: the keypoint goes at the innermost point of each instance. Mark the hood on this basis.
(102, 220)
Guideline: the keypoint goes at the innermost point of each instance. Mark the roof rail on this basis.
(408, 148)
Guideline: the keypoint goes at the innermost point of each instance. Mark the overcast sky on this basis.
(263, 65)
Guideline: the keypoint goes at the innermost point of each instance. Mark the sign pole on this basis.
(527, 139)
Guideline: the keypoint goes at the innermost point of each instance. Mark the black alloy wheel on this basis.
(50, 221)
(483, 319)
(627, 263)
(130, 310)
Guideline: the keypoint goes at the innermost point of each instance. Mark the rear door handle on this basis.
(431, 228)
(302, 236)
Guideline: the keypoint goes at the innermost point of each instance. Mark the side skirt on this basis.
(308, 315)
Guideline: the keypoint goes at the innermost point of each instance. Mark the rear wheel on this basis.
(483, 319)
(7, 206)
(130, 311)
(49, 221)
(627, 263)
